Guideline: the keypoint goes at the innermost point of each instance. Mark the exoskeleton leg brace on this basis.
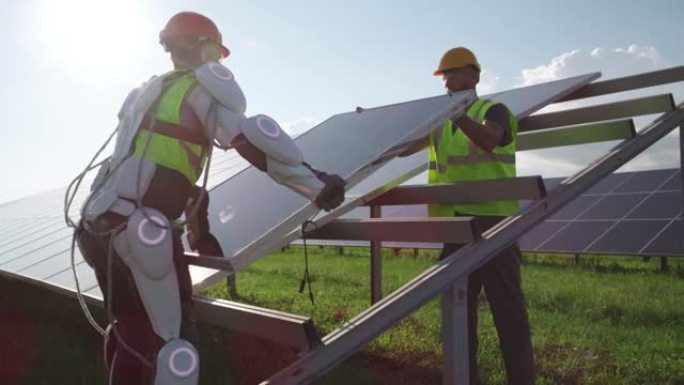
(146, 247)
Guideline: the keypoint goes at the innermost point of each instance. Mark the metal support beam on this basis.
(581, 134)
(681, 159)
(286, 329)
(210, 261)
(291, 330)
(455, 334)
(529, 187)
(650, 79)
(376, 261)
(454, 230)
(231, 284)
(353, 335)
(618, 110)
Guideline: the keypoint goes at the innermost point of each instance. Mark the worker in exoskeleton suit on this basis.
(129, 232)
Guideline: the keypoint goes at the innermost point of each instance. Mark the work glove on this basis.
(332, 194)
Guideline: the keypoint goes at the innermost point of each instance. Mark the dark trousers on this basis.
(128, 313)
(500, 277)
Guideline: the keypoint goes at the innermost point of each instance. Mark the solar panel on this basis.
(674, 184)
(574, 236)
(342, 144)
(659, 205)
(669, 242)
(646, 182)
(539, 234)
(635, 211)
(627, 237)
(613, 206)
(65, 278)
(358, 139)
(576, 207)
(608, 184)
(34, 254)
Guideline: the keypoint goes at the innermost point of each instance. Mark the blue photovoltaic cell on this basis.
(660, 205)
(539, 234)
(621, 193)
(613, 206)
(675, 183)
(608, 183)
(627, 237)
(645, 182)
(669, 242)
(575, 207)
(575, 237)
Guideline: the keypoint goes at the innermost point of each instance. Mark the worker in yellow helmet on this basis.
(479, 145)
(129, 232)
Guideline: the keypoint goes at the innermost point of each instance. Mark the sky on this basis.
(68, 64)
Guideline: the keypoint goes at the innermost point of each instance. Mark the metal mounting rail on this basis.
(580, 134)
(525, 187)
(456, 230)
(628, 83)
(353, 335)
(617, 110)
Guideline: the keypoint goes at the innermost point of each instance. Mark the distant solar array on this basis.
(35, 243)
(626, 213)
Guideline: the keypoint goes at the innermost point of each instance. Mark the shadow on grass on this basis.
(44, 339)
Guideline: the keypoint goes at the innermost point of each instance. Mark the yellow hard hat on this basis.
(458, 57)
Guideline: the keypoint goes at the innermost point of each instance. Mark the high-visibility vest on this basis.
(171, 144)
(455, 158)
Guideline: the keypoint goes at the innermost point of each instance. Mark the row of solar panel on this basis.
(632, 213)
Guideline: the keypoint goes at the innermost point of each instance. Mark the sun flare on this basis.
(94, 39)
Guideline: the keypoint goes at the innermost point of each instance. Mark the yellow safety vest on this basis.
(172, 145)
(455, 158)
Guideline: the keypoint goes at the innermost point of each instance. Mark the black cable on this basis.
(306, 279)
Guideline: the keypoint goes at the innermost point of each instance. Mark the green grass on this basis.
(608, 320)
(605, 320)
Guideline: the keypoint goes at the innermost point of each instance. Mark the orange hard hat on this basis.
(458, 57)
(191, 24)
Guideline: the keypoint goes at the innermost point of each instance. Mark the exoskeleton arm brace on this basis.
(220, 104)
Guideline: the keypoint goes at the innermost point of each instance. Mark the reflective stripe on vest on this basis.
(170, 144)
(453, 157)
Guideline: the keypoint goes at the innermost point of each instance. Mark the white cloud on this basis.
(300, 126)
(488, 82)
(611, 63)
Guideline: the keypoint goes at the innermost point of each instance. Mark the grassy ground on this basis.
(606, 320)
